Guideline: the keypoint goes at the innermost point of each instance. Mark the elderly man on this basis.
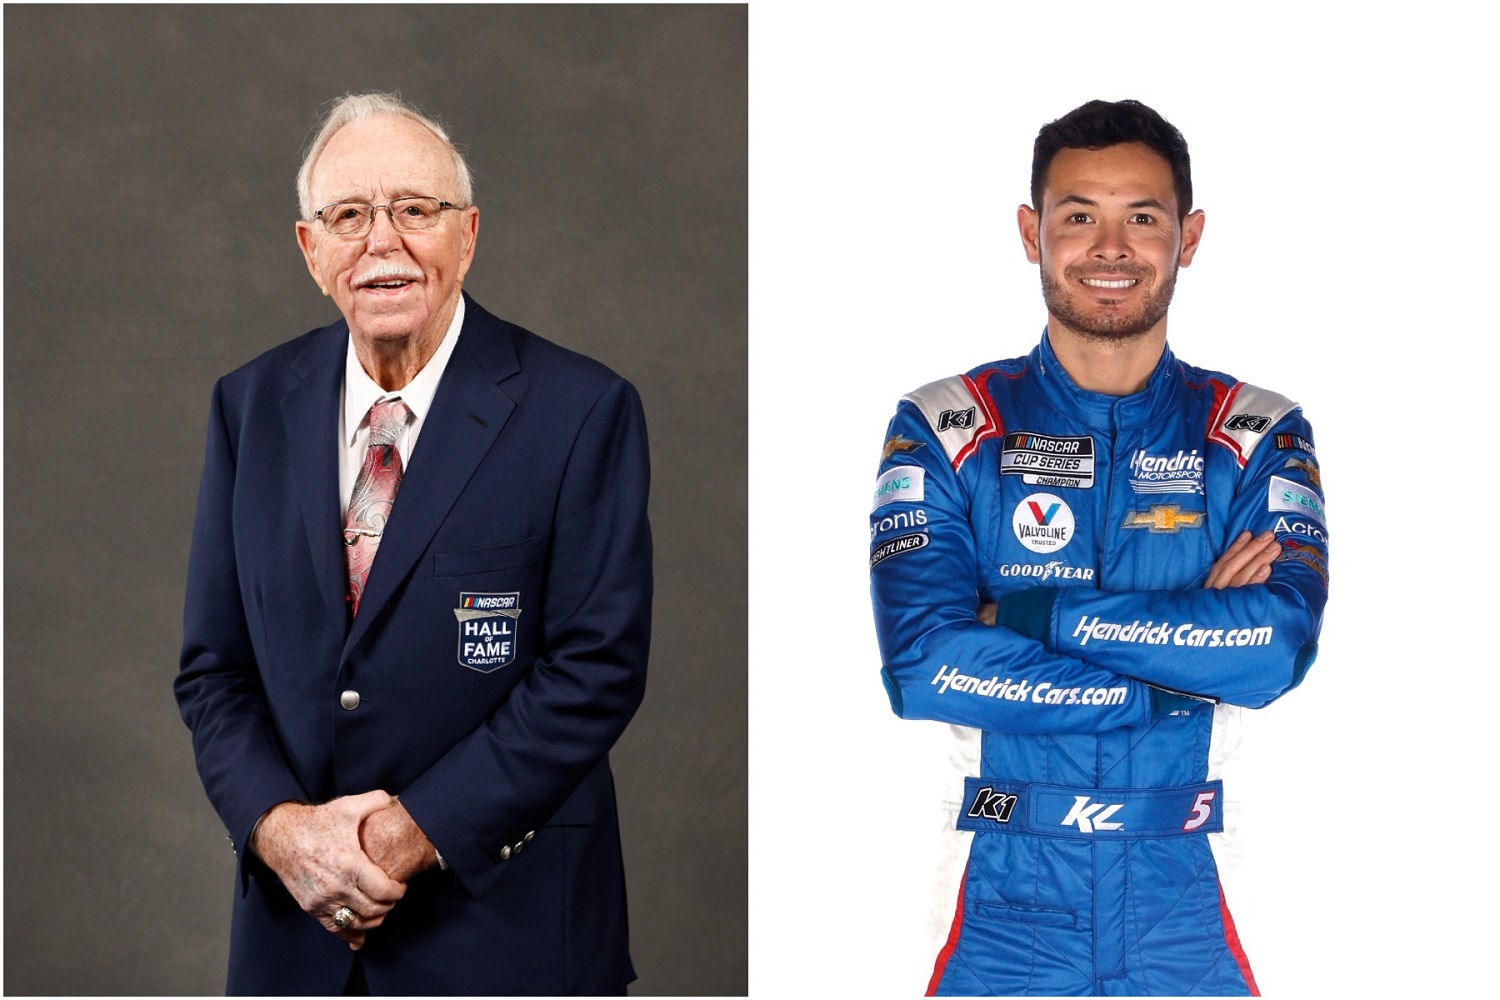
(418, 610)
(1087, 559)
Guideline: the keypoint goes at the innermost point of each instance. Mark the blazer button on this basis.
(350, 700)
(505, 853)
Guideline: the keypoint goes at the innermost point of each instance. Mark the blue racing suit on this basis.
(1093, 720)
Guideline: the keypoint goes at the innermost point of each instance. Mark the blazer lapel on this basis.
(310, 413)
(467, 415)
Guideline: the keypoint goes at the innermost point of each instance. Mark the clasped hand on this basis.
(357, 852)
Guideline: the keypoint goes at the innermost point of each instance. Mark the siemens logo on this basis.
(1293, 496)
(904, 482)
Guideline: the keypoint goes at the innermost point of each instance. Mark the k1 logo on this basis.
(1247, 422)
(990, 804)
(962, 419)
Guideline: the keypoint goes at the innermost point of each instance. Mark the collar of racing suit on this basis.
(1101, 410)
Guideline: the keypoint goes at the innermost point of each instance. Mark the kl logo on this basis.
(990, 804)
(1043, 518)
(1092, 817)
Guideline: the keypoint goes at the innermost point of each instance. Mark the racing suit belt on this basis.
(993, 805)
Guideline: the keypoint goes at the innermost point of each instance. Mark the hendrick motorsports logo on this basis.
(1043, 522)
(1179, 473)
(1154, 634)
(487, 630)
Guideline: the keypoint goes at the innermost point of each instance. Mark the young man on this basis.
(1088, 559)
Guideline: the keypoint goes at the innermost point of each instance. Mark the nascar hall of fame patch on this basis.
(487, 630)
(1043, 460)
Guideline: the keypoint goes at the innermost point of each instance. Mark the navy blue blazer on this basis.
(527, 496)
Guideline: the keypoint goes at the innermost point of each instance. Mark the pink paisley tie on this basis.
(374, 492)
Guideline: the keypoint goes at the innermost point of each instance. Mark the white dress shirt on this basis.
(360, 392)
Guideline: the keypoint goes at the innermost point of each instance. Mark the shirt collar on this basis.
(362, 392)
(1100, 409)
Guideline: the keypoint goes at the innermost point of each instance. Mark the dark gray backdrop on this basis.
(149, 163)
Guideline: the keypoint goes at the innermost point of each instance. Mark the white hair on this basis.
(352, 108)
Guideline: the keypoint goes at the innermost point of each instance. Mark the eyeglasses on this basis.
(408, 215)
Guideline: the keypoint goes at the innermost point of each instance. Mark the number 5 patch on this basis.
(1203, 807)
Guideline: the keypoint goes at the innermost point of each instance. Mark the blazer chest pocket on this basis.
(489, 559)
(496, 609)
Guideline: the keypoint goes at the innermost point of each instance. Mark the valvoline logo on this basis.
(1043, 522)
(1043, 516)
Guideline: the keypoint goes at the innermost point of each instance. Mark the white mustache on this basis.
(388, 271)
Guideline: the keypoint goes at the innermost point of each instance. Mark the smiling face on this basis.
(391, 286)
(1109, 242)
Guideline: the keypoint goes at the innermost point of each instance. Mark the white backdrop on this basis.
(1348, 261)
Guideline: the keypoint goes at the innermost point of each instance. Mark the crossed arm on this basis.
(1247, 560)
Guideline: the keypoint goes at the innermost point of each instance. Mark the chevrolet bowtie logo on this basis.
(1164, 518)
(899, 443)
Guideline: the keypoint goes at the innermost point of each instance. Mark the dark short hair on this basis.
(1099, 124)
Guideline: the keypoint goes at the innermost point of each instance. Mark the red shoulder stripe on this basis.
(992, 424)
(1223, 402)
